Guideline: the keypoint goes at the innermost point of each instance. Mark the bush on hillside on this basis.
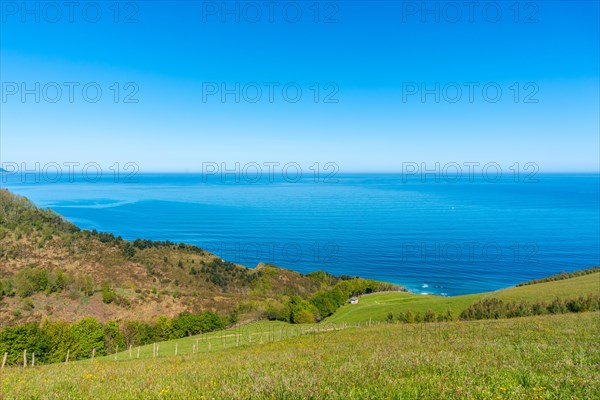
(493, 308)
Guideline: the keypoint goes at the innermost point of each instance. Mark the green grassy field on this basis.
(376, 306)
(244, 335)
(547, 291)
(543, 357)
(549, 357)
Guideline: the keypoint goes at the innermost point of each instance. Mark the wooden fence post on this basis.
(208, 346)
(138, 352)
(24, 358)
(130, 355)
(67, 359)
(93, 353)
(33, 359)
(176, 348)
(4, 360)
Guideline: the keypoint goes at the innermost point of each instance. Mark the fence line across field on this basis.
(212, 341)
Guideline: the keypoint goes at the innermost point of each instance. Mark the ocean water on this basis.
(432, 237)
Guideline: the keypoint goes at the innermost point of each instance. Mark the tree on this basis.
(14, 340)
(112, 337)
(209, 321)
(185, 324)
(234, 316)
(88, 335)
(304, 317)
(60, 340)
(299, 310)
(136, 333)
(86, 284)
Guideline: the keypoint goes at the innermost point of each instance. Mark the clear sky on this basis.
(371, 62)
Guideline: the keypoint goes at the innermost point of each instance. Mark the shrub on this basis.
(108, 296)
(407, 317)
(30, 280)
(276, 312)
(28, 304)
(429, 316)
(304, 317)
(493, 308)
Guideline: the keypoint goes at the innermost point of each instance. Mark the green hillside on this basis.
(547, 291)
(373, 307)
(377, 306)
(255, 333)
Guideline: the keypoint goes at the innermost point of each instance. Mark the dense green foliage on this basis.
(50, 341)
(494, 308)
(19, 214)
(328, 301)
(325, 302)
(409, 317)
(31, 280)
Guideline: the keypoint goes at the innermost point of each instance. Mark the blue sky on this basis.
(370, 57)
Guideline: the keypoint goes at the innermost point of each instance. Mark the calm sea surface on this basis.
(432, 237)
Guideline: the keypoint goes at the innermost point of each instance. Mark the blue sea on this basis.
(446, 238)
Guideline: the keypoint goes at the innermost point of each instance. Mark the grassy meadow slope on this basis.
(253, 333)
(547, 357)
(377, 306)
(547, 291)
(373, 307)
